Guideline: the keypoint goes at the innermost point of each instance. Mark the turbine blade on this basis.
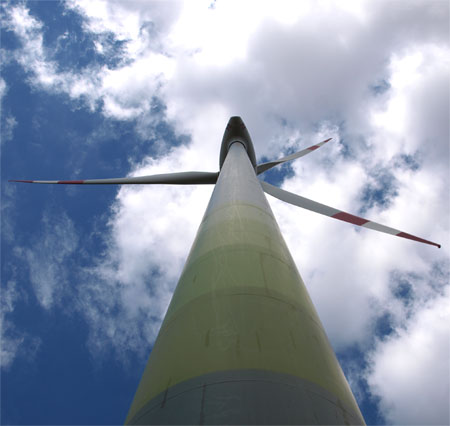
(314, 206)
(183, 178)
(261, 168)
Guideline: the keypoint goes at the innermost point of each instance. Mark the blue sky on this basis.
(109, 89)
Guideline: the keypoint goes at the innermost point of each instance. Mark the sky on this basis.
(98, 89)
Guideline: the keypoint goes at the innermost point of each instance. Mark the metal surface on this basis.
(316, 207)
(241, 305)
(182, 178)
(261, 168)
(236, 131)
(245, 397)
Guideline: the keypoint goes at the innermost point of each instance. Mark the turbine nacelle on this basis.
(236, 132)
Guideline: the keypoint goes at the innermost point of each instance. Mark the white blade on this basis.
(314, 206)
(183, 178)
(266, 166)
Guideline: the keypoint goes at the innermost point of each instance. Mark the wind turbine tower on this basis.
(241, 342)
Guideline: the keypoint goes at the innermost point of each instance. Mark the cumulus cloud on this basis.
(129, 20)
(123, 92)
(37, 61)
(408, 367)
(319, 67)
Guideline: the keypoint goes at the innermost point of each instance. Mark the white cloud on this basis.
(35, 59)
(125, 91)
(14, 342)
(10, 340)
(47, 259)
(415, 109)
(321, 67)
(127, 20)
(410, 370)
(3, 89)
(7, 130)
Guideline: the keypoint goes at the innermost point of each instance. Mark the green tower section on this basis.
(241, 341)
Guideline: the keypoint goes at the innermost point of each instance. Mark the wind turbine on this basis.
(241, 342)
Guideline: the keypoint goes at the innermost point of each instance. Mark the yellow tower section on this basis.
(241, 342)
